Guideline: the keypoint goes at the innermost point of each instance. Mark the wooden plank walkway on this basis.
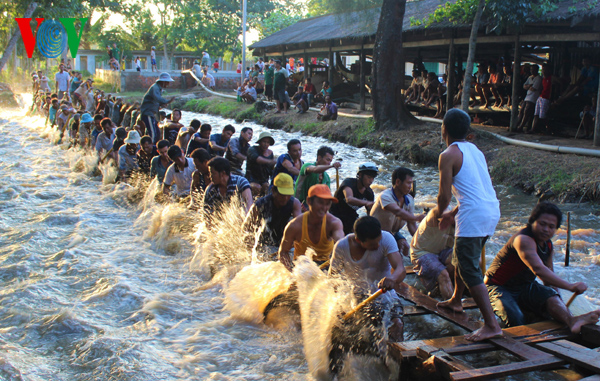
(539, 346)
(577, 354)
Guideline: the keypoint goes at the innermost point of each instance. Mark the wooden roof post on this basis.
(451, 76)
(516, 86)
(363, 60)
(305, 58)
(330, 69)
(597, 124)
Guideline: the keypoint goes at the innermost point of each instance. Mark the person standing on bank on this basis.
(464, 174)
(151, 103)
(353, 194)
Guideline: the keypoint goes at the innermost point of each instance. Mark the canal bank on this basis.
(546, 175)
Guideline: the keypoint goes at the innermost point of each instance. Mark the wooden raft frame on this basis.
(540, 346)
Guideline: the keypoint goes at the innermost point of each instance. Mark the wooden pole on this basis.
(331, 66)
(363, 303)
(571, 299)
(305, 58)
(483, 260)
(337, 178)
(516, 86)
(362, 77)
(597, 124)
(451, 76)
(568, 249)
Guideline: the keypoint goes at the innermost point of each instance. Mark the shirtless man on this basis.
(529, 254)
(464, 174)
(316, 225)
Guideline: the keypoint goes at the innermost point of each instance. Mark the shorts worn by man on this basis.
(315, 229)
(464, 174)
(511, 279)
(431, 255)
(366, 259)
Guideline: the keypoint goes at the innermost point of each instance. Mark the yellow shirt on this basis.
(322, 249)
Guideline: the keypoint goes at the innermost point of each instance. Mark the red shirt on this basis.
(546, 87)
(309, 88)
(216, 65)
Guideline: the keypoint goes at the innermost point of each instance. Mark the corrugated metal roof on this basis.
(364, 23)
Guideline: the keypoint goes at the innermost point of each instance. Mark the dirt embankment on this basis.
(547, 175)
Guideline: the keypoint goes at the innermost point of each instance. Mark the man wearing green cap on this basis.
(260, 164)
(276, 210)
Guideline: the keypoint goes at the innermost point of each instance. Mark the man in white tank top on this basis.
(464, 174)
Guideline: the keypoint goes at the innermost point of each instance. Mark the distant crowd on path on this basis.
(289, 208)
(541, 93)
(271, 81)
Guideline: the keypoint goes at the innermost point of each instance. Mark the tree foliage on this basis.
(276, 21)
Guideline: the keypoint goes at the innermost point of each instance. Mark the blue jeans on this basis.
(520, 305)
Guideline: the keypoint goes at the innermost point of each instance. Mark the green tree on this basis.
(276, 21)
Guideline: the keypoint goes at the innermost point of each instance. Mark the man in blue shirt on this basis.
(151, 104)
(218, 142)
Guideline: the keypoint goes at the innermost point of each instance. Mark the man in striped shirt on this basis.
(224, 186)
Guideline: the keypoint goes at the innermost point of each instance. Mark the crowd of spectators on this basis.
(542, 92)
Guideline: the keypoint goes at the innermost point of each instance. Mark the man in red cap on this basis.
(315, 229)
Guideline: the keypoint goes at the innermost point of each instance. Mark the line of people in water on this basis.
(289, 209)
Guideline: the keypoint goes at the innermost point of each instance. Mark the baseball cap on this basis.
(284, 184)
(321, 191)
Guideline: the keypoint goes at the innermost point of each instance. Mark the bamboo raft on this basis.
(541, 346)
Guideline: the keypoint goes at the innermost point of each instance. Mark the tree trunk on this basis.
(389, 110)
(15, 37)
(471, 57)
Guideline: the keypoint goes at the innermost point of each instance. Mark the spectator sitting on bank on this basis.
(588, 116)
(197, 69)
(325, 91)
(114, 64)
(329, 111)
(489, 88)
(413, 92)
(208, 80)
(310, 91)
(586, 85)
(300, 100)
(249, 95)
(258, 85)
(433, 91)
(482, 77)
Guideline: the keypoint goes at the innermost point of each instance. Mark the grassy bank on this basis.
(547, 175)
